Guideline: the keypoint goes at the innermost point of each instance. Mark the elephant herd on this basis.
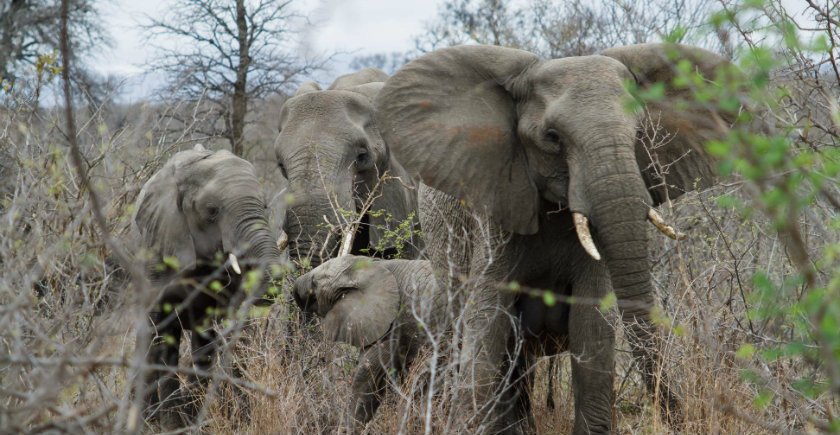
(521, 172)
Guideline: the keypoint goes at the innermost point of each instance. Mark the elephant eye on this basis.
(364, 159)
(551, 135)
(213, 213)
(282, 169)
(341, 292)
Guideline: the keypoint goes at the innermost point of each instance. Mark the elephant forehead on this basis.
(322, 103)
(221, 164)
(344, 265)
(572, 71)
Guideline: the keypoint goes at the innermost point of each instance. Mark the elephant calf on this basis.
(378, 306)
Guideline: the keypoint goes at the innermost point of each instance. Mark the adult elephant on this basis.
(522, 155)
(330, 150)
(204, 228)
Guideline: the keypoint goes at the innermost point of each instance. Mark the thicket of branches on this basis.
(223, 56)
(29, 46)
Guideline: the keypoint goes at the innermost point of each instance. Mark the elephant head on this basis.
(357, 297)
(517, 136)
(331, 151)
(201, 208)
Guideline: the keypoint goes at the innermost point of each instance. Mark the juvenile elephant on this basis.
(204, 227)
(520, 155)
(378, 306)
(331, 151)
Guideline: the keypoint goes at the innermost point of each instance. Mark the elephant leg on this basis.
(204, 346)
(484, 352)
(591, 344)
(163, 385)
(369, 385)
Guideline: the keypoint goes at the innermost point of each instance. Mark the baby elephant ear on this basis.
(450, 119)
(159, 217)
(683, 126)
(362, 317)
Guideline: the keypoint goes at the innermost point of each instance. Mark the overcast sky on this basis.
(357, 26)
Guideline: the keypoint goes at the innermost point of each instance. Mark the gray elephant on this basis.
(204, 229)
(331, 151)
(521, 155)
(390, 308)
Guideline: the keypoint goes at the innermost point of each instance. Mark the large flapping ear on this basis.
(159, 217)
(360, 77)
(362, 317)
(306, 88)
(681, 129)
(449, 119)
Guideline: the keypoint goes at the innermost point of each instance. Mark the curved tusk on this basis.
(656, 219)
(585, 237)
(347, 242)
(282, 241)
(234, 263)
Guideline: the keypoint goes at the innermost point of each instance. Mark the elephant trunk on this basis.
(617, 203)
(253, 240)
(313, 226)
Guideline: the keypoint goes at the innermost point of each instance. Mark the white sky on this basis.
(356, 26)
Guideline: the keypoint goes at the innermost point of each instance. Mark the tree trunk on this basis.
(240, 97)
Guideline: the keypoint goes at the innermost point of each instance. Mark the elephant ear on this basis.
(360, 77)
(159, 218)
(362, 317)
(450, 120)
(687, 127)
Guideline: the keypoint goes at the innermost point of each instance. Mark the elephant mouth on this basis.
(586, 240)
(352, 239)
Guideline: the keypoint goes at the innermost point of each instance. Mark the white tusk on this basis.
(282, 241)
(346, 242)
(656, 219)
(234, 263)
(585, 237)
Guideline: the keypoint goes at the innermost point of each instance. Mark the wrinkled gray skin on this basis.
(510, 144)
(330, 150)
(198, 208)
(377, 304)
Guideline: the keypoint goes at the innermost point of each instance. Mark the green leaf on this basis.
(549, 299)
(609, 301)
(746, 351)
(172, 262)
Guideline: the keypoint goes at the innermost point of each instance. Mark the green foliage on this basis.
(802, 310)
(393, 233)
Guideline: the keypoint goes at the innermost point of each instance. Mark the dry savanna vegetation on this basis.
(750, 300)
